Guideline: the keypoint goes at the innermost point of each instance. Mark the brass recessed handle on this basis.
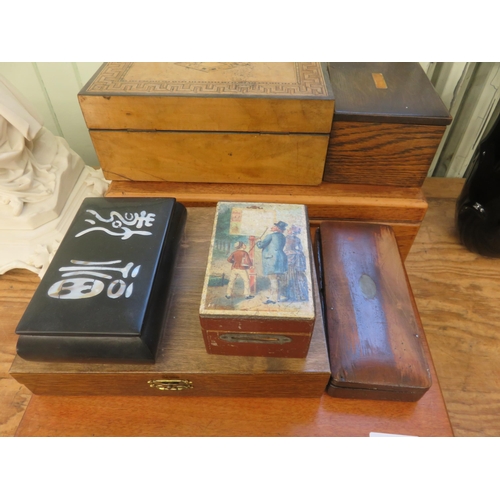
(255, 338)
(171, 385)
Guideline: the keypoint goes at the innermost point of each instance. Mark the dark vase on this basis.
(478, 206)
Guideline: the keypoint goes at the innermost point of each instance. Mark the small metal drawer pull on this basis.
(170, 385)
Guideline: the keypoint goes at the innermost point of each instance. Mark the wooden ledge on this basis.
(339, 201)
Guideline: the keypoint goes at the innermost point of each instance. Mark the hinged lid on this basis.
(243, 97)
(269, 242)
(99, 283)
(385, 92)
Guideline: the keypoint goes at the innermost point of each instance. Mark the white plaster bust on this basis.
(42, 184)
(37, 169)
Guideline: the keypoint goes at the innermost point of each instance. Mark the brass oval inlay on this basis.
(368, 287)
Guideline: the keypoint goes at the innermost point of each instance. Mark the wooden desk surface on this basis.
(189, 416)
(170, 416)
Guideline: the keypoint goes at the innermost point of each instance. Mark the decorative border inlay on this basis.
(310, 82)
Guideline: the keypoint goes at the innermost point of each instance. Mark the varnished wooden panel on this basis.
(182, 354)
(16, 288)
(390, 154)
(457, 294)
(198, 113)
(326, 201)
(136, 416)
(211, 157)
(405, 233)
(402, 208)
(14, 399)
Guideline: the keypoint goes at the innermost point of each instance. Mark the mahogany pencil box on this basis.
(373, 328)
(105, 293)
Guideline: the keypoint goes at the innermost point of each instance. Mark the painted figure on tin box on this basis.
(274, 260)
(240, 261)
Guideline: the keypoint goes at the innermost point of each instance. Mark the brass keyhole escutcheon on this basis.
(170, 384)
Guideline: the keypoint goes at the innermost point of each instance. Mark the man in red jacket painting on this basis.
(241, 262)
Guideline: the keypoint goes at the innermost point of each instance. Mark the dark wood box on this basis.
(104, 295)
(388, 124)
(183, 367)
(264, 123)
(258, 297)
(373, 327)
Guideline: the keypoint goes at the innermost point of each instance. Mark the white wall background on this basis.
(52, 88)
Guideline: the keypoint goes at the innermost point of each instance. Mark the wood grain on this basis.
(136, 416)
(457, 294)
(373, 327)
(405, 233)
(199, 113)
(443, 187)
(16, 288)
(402, 208)
(14, 399)
(391, 154)
(326, 201)
(212, 157)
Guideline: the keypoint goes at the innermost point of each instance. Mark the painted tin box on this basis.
(257, 297)
(105, 294)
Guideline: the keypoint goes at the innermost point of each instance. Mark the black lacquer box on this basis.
(105, 294)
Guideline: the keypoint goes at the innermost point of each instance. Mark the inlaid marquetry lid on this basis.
(259, 264)
(101, 277)
(385, 92)
(291, 79)
(216, 97)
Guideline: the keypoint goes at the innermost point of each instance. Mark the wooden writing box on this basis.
(388, 124)
(105, 292)
(373, 327)
(183, 367)
(258, 293)
(264, 123)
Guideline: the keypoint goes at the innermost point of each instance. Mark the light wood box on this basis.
(388, 124)
(264, 123)
(183, 367)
